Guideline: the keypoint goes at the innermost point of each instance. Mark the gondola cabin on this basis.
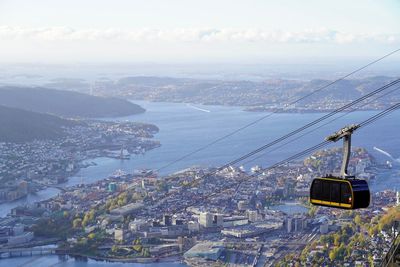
(342, 193)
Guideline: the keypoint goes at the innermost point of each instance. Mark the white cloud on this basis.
(193, 35)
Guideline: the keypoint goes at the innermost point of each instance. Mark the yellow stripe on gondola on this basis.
(336, 204)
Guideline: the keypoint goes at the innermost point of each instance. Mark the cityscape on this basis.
(199, 133)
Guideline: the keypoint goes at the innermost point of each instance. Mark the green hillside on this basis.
(66, 103)
(20, 125)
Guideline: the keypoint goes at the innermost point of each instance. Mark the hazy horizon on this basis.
(206, 32)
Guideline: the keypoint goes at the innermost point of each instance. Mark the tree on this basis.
(77, 223)
(372, 231)
(146, 253)
(137, 248)
(162, 186)
(336, 239)
(357, 219)
(312, 211)
(333, 254)
(89, 217)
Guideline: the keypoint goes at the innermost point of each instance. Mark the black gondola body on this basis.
(345, 192)
(340, 193)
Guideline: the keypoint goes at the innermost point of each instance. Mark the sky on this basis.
(187, 31)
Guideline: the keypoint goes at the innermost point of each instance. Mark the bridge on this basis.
(38, 183)
(21, 252)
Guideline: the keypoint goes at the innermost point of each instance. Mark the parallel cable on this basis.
(380, 115)
(270, 114)
(296, 156)
(361, 125)
(310, 124)
(320, 126)
(296, 131)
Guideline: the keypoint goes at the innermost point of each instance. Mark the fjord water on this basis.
(184, 128)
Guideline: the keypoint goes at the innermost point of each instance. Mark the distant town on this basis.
(208, 218)
(275, 95)
(32, 166)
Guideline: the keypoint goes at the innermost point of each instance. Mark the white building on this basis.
(20, 239)
(206, 219)
(252, 215)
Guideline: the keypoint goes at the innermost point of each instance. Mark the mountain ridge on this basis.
(65, 103)
(18, 125)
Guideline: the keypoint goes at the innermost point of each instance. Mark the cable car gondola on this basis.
(340, 193)
(346, 191)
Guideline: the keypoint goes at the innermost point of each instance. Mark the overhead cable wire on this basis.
(270, 114)
(296, 156)
(344, 107)
(320, 126)
(310, 124)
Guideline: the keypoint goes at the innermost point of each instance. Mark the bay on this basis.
(187, 127)
(184, 128)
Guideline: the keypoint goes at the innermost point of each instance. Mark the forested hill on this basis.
(66, 103)
(20, 125)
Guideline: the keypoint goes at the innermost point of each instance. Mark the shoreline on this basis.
(247, 108)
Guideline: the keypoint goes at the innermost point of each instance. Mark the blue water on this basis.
(184, 128)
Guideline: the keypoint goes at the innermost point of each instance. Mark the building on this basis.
(193, 227)
(18, 229)
(176, 221)
(360, 167)
(218, 220)
(235, 221)
(167, 220)
(112, 187)
(289, 224)
(206, 250)
(127, 209)
(289, 189)
(298, 224)
(138, 225)
(164, 249)
(186, 242)
(20, 239)
(252, 230)
(23, 188)
(206, 219)
(5, 232)
(119, 234)
(242, 205)
(252, 215)
(324, 228)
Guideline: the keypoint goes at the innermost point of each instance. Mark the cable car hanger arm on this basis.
(344, 133)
